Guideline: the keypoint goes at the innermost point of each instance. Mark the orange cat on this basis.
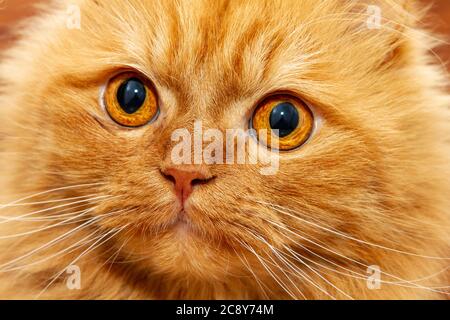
(94, 204)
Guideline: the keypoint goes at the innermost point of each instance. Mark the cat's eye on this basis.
(131, 100)
(286, 119)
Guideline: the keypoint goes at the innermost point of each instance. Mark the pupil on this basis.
(284, 118)
(131, 95)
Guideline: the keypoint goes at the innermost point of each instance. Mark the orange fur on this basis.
(372, 185)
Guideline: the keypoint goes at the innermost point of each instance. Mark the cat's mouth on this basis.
(182, 224)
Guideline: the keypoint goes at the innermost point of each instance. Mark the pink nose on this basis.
(184, 179)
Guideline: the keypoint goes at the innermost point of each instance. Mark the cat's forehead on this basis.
(216, 52)
(220, 48)
(230, 46)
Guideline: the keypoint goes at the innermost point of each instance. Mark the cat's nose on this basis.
(185, 178)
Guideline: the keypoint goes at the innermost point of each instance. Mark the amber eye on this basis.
(286, 119)
(131, 100)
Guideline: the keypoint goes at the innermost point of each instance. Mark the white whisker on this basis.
(47, 201)
(61, 237)
(355, 261)
(50, 191)
(17, 218)
(271, 273)
(279, 209)
(247, 265)
(92, 247)
(17, 235)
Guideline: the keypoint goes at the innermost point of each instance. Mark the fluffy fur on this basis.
(371, 187)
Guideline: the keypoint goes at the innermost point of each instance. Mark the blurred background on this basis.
(12, 11)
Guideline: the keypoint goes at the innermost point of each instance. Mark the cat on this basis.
(94, 205)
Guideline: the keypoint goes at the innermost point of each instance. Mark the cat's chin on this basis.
(180, 248)
(182, 253)
(182, 225)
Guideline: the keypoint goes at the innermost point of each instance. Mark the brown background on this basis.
(12, 11)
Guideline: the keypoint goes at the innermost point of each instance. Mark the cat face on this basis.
(352, 173)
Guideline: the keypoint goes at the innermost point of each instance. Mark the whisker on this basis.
(17, 235)
(277, 208)
(355, 261)
(284, 272)
(114, 256)
(46, 201)
(63, 252)
(271, 273)
(294, 268)
(61, 237)
(358, 275)
(92, 247)
(307, 277)
(16, 218)
(50, 191)
(60, 215)
(245, 262)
